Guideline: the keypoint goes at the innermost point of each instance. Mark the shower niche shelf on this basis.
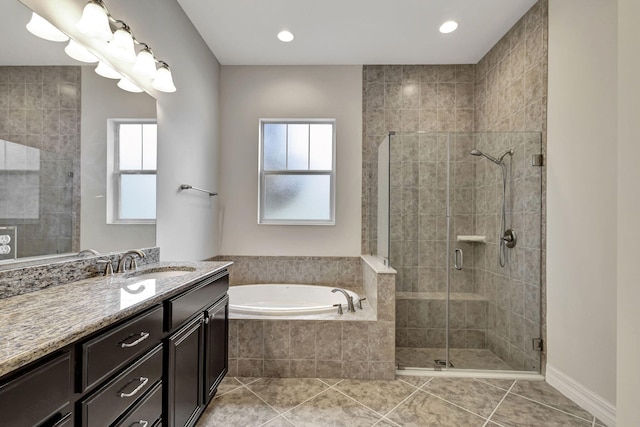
(472, 238)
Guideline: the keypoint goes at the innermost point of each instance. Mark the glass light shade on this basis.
(128, 85)
(145, 65)
(38, 26)
(94, 22)
(79, 52)
(121, 46)
(164, 81)
(105, 70)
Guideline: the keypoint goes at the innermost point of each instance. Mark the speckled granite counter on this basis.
(35, 324)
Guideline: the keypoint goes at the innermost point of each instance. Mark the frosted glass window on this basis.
(297, 172)
(321, 147)
(298, 147)
(275, 146)
(298, 197)
(137, 196)
(132, 191)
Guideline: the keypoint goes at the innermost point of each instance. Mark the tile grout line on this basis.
(551, 407)
(305, 401)
(454, 404)
(362, 404)
(499, 403)
(266, 403)
(593, 423)
(406, 398)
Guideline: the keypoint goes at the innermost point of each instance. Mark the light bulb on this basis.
(79, 52)
(38, 26)
(128, 85)
(95, 22)
(145, 65)
(105, 70)
(164, 81)
(121, 46)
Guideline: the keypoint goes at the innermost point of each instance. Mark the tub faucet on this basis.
(350, 307)
(122, 264)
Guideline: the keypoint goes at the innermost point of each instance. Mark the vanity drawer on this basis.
(105, 405)
(104, 354)
(41, 394)
(183, 307)
(147, 412)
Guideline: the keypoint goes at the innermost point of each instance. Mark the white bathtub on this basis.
(285, 300)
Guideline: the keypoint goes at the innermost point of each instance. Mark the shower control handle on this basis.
(458, 256)
(510, 238)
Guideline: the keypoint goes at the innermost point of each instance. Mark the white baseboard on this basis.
(604, 410)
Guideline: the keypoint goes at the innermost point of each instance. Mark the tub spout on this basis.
(350, 307)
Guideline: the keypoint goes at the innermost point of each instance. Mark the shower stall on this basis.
(458, 215)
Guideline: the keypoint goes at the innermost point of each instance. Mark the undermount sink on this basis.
(157, 273)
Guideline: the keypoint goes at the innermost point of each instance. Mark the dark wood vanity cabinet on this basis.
(196, 353)
(158, 367)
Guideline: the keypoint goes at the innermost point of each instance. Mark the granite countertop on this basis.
(35, 324)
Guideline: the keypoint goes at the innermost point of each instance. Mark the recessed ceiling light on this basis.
(285, 36)
(448, 27)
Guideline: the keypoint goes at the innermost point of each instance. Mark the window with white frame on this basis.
(132, 163)
(297, 171)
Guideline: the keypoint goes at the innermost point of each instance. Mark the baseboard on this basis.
(604, 410)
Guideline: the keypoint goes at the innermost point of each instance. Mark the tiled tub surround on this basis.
(353, 345)
(508, 94)
(40, 108)
(29, 276)
(36, 324)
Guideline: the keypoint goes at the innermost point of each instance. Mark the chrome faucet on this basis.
(350, 307)
(122, 264)
(88, 252)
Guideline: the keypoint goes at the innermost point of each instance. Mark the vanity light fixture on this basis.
(97, 23)
(448, 27)
(103, 69)
(42, 28)
(79, 52)
(285, 36)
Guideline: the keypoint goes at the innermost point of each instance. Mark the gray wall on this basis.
(103, 100)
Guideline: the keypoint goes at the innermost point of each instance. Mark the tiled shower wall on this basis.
(508, 94)
(511, 95)
(40, 108)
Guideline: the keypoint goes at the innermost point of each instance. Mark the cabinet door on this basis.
(216, 359)
(185, 351)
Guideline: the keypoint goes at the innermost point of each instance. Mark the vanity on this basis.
(145, 348)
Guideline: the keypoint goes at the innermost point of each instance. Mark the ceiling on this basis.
(243, 32)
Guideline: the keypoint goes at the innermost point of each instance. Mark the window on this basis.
(297, 172)
(132, 163)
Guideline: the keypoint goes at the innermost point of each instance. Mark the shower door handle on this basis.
(458, 259)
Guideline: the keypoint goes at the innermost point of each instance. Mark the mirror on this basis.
(55, 149)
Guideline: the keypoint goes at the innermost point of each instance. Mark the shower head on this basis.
(497, 161)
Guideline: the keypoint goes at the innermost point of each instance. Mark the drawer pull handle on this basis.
(143, 382)
(143, 336)
(142, 423)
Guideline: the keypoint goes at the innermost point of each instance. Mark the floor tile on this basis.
(227, 384)
(247, 380)
(414, 381)
(331, 381)
(385, 423)
(331, 408)
(236, 408)
(542, 392)
(503, 384)
(278, 422)
(425, 410)
(516, 411)
(285, 393)
(381, 396)
(479, 398)
(464, 358)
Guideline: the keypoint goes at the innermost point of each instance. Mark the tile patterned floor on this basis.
(462, 358)
(406, 401)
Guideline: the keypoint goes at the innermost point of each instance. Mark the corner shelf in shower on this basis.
(472, 239)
